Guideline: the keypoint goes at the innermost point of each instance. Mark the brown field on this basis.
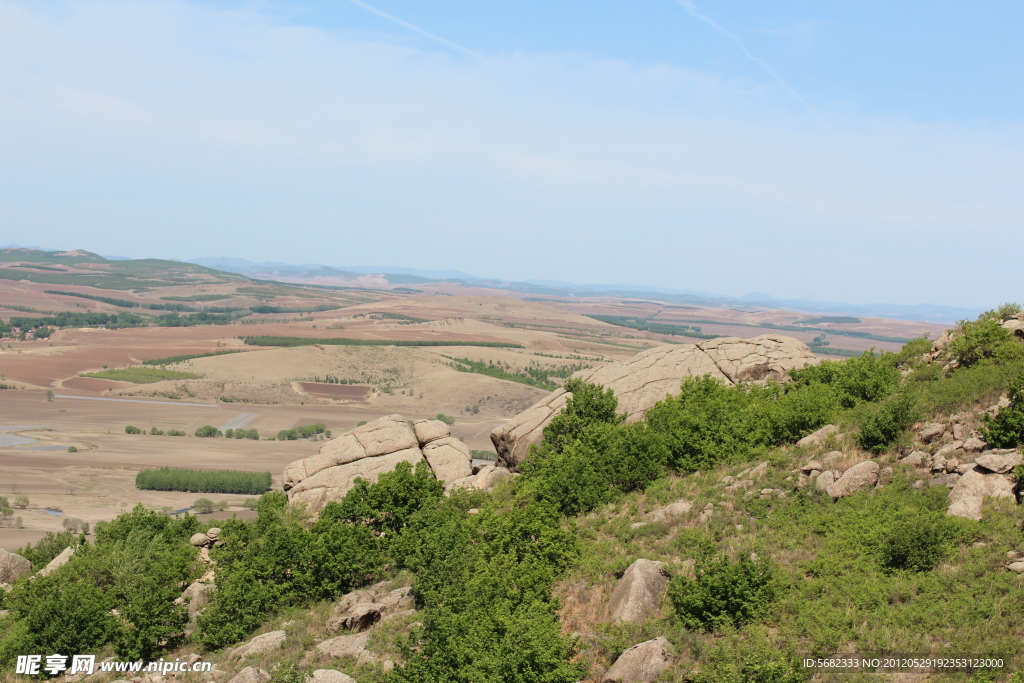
(284, 387)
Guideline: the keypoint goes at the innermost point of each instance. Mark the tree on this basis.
(202, 506)
(207, 431)
(21, 502)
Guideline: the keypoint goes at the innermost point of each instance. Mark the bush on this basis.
(1006, 430)
(866, 378)
(984, 341)
(175, 432)
(207, 431)
(724, 593)
(72, 449)
(132, 430)
(202, 481)
(202, 506)
(247, 434)
(49, 546)
(447, 419)
(229, 433)
(881, 428)
(287, 435)
(21, 502)
(920, 541)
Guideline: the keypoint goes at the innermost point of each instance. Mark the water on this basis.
(55, 513)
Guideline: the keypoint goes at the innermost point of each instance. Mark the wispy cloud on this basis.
(415, 29)
(694, 12)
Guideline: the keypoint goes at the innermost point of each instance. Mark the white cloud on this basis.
(164, 129)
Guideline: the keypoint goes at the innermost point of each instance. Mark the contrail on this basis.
(417, 29)
(690, 7)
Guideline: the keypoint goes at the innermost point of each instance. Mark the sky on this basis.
(843, 151)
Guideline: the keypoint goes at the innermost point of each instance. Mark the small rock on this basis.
(1000, 462)
(825, 480)
(641, 663)
(265, 642)
(811, 467)
(676, 509)
(952, 465)
(728, 479)
(1012, 555)
(959, 431)
(332, 675)
(758, 471)
(473, 511)
(857, 478)
(637, 525)
(1016, 567)
(938, 463)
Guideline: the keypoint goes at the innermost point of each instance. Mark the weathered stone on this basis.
(648, 377)
(916, 458)
(815, 438)
(832, 456)
(490, 476)
(952, 465)
(1015, 326)
(1016, 567)
(331, 676)
(1000, 462)
(812, 466)
(213, 533)
(197, 595)
(641, 663)
(250, 675)
(638, 593)
(973, 487)
(959, 431)
(948, 480)
(199, 539)
(938, 463)
(353, 645)
(825, 480)
(449, 458)
(385, 435)
(932, 431)
(676, 509)
(362, 616)
(333, 483)
(397, 599)
(430, 430)
(266, 642)
(294, 473)
(58, 562)
(857, 478)
(512, 440)
(974, 445)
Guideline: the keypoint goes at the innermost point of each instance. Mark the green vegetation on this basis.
(724, 593)
(341, 341)
(198, 297)
(202, 481)
(534, 374)
(447, 419)
(175, 432)
(294, 309)
(388, 315)
(1007, 429)
(170, 360)
(829, 319)
(208, 431)
(132, 430)
(245, 434)
(302, 432)
(201, 318)
(642, 324)
(140, 375)
(68, 319)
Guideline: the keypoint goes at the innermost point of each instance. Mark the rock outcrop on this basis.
(641, 663)
(638, 593)
(648, 377)
(58, 562)
(266, 642)
(370, 450)
(331, 676)
(859, 477)
(973, 487)
(251, 675)
(13, 566)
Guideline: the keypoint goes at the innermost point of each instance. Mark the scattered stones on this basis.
(641, 663)
(999, 461)
(857, 478)
(676, 509)
(815, 438)
(265, 642)
(250, 675)
(13, 566)
(812, 466)
(639, 591)
(972, 488)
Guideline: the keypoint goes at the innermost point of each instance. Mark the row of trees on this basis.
(203, 481)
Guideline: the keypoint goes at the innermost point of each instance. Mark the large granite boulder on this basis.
(333, 483)
(449, 458)
(331, 676)
(430, 430)
(1000, 461)
(13, 566)
(251, 675)
(265, 642)
(648, 377)
(973, 487)
(638, 593)
(859, 477)
(641, 663)
(58, 562)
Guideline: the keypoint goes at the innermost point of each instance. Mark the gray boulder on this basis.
(932, 431)
(1000, 462)
(916, 458)
(676, 509)
(972, 488)
(362, 616)
(641, 663)
(199, 539)
(251, 675)
(974, 445)
(331, 676)
(449, 458)
(430, 430)
(638, 593)
(857, 478)
(197, 595)
(266, 642)
(815, 438)
(648, 377)
(13, 566)
(825, 480)
(58, 562)
(333, 483)
(353, 645)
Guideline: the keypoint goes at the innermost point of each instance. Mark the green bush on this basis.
(175, 432)
(247, 434)
(984, 341)
(202, 506)
(447, 419)
(724, 593)
(132, 430)
(156, 432)
(287, 435)
(882, 427)
(1006, 430)
(864, 378)
(207, 431)
(202, 481)
(229, 433)
(920, 541)
(48, 547)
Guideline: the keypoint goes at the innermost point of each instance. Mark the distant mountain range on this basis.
(933, 313)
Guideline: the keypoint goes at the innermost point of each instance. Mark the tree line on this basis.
(202, 481)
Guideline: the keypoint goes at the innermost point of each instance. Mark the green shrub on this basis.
(864, 378)
(48, 547)
(287, 435)
(447, 419)
(1006, 430)
(175, 432)
(132, 430)
(880, 428)
(202, 481)
(202, 506)
(589, 404)
(984, 341)
(72, 449)
(247, 434)
(207, 431)
(229, 433)
(920, 541)
(724, 593)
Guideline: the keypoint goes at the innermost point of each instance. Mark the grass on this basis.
(140, 375)
(342, 341)
(169, 360)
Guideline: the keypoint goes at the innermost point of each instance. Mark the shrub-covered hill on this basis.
(762, 546)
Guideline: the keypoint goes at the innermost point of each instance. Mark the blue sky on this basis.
(855, 151)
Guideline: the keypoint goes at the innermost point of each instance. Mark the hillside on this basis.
(862, 507)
